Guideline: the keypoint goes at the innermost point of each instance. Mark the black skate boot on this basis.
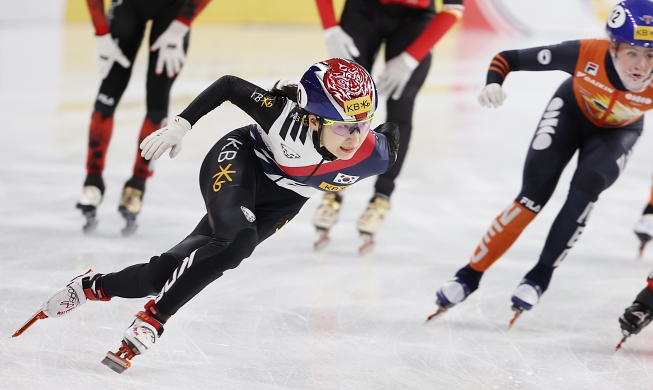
(91, 198)
(131, 203)
(637, 316)
(141, 335)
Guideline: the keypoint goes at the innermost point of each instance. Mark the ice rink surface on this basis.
(289, 317)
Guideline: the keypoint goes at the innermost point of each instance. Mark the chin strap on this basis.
(317, 143)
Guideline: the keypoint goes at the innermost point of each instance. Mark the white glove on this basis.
(108, 52)
(396, 74)
(340, 44)
(170, 45)
(492, 96)
(163, 139)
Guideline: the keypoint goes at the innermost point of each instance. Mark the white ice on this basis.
(289, 317)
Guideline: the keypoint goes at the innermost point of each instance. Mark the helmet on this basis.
(338, 90)
(631, 22)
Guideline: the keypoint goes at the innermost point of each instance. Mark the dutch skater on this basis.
(308, 137)
(118, 36)
(409, 29)
(597, 112)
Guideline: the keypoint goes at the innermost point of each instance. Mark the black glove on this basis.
(391, 132)
(635, 318)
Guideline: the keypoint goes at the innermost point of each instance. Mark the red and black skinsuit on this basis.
(126, 22)
(404, 25)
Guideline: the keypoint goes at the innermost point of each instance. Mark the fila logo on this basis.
(289, 153)
(591, 68)
(530, 204)
(104, 99)
(341, 178)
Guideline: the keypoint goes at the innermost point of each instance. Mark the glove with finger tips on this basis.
(108, 52)
(170, 45)
(340, 44)
(396, 74)
(163, 139)
(492, 96)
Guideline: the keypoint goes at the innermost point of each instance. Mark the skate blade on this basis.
(38, 316)
(322, 241)
(90, 226)
(640, 252)
(129, 229)
(116, 363)
(436, 314)
(623, 340)
(518, 312)
(367, 245)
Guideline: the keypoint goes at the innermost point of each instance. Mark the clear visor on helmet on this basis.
(347, 128)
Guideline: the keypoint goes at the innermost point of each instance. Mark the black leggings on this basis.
(602, 156)
(244, 207)
(127, 20)
(370, 23)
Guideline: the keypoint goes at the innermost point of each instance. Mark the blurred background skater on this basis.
(639, 314)
(118, 36)
(644, 227)
(409, 29)
(597, 112)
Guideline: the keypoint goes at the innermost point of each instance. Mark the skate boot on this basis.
(325, 217)
(131, 204)
(526, 296)
(634, 319)
(644, 231)
(90, 200)
(452, 292)
(61, 302)
(141, 335)
(371, 221)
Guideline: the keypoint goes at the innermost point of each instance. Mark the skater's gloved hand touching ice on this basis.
(163, 139)
(396, 74)
(492, 96)
(340, 44)
(171, 49)
(108, 52)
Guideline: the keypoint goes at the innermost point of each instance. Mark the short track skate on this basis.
(119, 361)
(130, 222)
(322, 240)
(367, 244)
(130, 205)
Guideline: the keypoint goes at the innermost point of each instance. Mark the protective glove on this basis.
(492, 96)
(163, 139)
(108, 52)
(396, 74)
(340, 44)
(170, 45)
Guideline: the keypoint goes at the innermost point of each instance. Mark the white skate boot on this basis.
(526, 296)
(451, 293)
(61, 302)
(644, 231)
(130, 205)
(372, 220)
(141, 335)
(325, 217)
(88, 203)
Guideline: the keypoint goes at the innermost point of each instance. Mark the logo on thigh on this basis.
(543, 135)
(222, 177)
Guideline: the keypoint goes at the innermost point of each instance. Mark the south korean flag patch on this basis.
(248, 214)
(341, 178)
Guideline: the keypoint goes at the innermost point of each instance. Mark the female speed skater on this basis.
(598, 112)
(310, 137)
(409, 29)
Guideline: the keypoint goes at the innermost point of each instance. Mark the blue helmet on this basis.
(338, 90)
(631, 22)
